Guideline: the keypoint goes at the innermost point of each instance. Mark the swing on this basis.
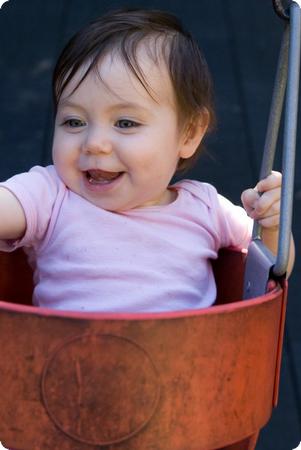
(188, 380)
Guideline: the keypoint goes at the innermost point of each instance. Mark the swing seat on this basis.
(189, 380)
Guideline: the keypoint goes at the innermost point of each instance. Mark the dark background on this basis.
(240, 39)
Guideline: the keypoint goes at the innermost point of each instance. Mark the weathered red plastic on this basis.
(190, 380)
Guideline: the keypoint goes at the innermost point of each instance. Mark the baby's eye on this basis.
(74, 123)
(126, 123)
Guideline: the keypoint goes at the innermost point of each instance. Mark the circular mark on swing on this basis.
(100, 389)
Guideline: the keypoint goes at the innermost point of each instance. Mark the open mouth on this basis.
(99, 177)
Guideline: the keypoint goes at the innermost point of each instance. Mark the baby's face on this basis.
(114, 144)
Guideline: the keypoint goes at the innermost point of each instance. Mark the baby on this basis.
(102, 227)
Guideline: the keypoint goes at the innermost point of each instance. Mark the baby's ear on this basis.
(194, 133)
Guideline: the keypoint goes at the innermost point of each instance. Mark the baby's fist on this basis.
(263, 202)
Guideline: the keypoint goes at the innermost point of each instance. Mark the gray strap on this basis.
(289, 141)
(275, 116)
(287, 77)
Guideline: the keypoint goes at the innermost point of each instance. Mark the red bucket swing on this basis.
(189, 380)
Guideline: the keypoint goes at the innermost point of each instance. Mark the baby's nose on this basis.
(98, 141)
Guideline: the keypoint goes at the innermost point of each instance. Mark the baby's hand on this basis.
(264, 208)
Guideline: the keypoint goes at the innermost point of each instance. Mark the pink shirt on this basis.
(143, 260)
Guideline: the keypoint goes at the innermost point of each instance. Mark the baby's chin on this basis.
(104, 198)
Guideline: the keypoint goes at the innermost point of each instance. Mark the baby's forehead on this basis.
(142, 68)
(145, 76)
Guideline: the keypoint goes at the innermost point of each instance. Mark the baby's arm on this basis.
(265, 209)
(13, 221)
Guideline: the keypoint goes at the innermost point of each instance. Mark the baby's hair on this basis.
(163, 34)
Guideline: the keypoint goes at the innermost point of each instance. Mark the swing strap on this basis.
(261, 265)
(282, 7)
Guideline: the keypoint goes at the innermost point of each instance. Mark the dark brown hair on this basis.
(122, 31)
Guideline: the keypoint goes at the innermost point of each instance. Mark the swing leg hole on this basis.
(246, 444)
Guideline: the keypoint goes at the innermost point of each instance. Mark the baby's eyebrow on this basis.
(125, 105)
(128, 105)
(66, 102)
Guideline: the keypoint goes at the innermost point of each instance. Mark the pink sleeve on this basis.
(235, 226)
(37, 191)
(229, 224)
